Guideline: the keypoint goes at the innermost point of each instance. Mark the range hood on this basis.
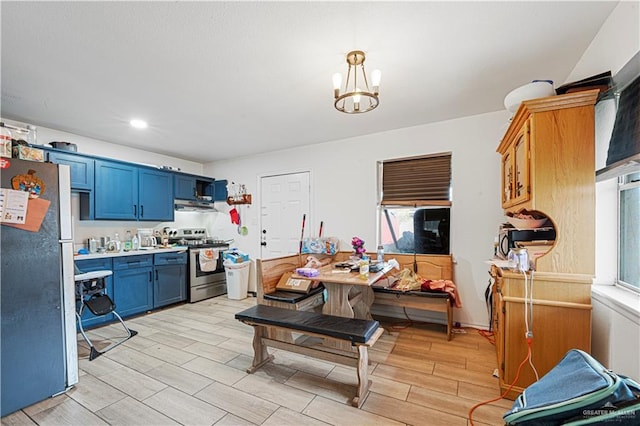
(194, 206)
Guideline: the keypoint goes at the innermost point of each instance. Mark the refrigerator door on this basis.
(32, 304)
(68, 274)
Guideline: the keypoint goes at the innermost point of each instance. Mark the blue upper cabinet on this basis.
(155, 195)
(82, 169)
(191, 187)
(185, 187)
(126, 192)
(116, 191)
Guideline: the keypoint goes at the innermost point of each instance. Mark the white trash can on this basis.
(237, 279)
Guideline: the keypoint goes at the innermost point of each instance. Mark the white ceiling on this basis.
(218, 80)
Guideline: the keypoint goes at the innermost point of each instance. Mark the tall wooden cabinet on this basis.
(548, 166)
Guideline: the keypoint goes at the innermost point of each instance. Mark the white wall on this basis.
(343, 192)
(616, 313)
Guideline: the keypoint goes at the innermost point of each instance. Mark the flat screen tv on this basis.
(431, 230)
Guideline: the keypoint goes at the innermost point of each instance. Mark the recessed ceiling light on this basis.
(138, 124)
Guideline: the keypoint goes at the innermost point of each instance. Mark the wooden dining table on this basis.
(348, 294)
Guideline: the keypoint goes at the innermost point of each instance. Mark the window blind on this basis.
(417, 181)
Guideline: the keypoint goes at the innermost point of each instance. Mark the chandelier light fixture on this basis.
(356, 97)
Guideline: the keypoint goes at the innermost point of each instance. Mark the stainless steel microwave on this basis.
(509, 237)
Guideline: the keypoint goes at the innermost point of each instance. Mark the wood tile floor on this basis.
(187, 366)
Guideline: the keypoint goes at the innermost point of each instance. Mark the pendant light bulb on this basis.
(356, 97)
(376, 75)
(337, 81)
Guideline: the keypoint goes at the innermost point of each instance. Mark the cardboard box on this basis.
(23, 152)
(298, 285)
(235, 257)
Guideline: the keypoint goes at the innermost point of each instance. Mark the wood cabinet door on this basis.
(507, 178)
(521, 181)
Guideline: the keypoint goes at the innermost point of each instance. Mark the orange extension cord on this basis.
(529, 341)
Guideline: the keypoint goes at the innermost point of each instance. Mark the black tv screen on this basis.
(431, 230)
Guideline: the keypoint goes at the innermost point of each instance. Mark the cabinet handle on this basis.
(156, 275)
(150, 276)
(141, 210)
(135, 210)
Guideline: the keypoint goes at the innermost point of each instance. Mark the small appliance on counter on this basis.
(146, 239)
(510, 238)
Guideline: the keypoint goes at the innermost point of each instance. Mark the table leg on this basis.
(338, 304)
(338, 300)
(362, 309)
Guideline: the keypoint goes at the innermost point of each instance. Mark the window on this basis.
(414, 206)
(629, 231)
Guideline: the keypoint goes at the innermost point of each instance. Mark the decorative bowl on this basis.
(534, 90)
(526, 223)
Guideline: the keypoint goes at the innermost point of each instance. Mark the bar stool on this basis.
(91, 293)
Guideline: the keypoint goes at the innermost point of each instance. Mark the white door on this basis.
(284, 201)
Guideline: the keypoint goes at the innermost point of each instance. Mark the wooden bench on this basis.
(269, 272)
(361, 334)
(433, 267)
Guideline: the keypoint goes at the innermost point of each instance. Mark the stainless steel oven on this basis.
(209, 283)
(207, 277)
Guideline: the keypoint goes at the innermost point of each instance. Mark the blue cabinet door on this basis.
(220, 190)
(133, 291)
(185, 187)
(155, 195)
(170, 284)
(82, 169)
(133, 284)
(116, 191)
(91, 265)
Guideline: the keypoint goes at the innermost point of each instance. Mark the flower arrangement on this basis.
(358, 246)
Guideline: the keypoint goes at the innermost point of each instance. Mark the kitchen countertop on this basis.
(129, 253)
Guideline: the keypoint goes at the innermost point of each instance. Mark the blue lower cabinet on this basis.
(133, 284)
(170, 284)
(91, 265)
